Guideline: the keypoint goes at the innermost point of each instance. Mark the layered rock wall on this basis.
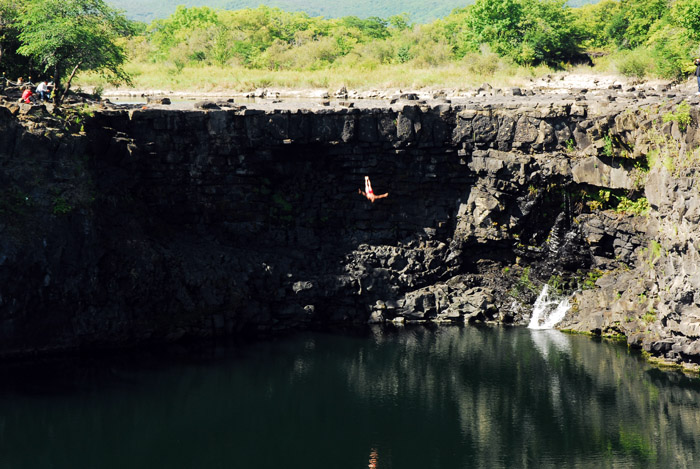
(155, 225)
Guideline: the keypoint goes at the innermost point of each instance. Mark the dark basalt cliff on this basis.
(154, 225)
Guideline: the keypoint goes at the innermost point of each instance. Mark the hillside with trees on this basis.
(247, 48)
(646, 37)
(419, 11)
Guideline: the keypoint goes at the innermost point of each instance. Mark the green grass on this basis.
(363, 75)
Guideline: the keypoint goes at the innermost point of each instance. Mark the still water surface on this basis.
(408, 398)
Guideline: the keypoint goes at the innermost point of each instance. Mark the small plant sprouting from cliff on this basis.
(14, 201)
(652, 253)
(655, 249)
(608, 199)
(681, 115)
(76, 117)
(523, 284)
(556, 284)
(61, 206)
(571, 145)
(640, 206)
(684, 163)
(650, 316)
(599, 200)
(281, 202)
(281, 208)
(588, 279)
(608, 146)
(640, 172)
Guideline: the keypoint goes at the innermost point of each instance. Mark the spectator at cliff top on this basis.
(42, 90)
(27, 95)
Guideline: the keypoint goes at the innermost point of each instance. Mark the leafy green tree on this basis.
(686, 14)
(641, 16)
(497, 23)
(179, 27)
(373, 27)
(598, 23)
(400, 22)
(10, 62)
(631, 25)
(528, 31)
(67, 36)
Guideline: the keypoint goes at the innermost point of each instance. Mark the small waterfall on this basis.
(547, 311)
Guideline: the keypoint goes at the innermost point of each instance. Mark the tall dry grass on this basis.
(354, 72)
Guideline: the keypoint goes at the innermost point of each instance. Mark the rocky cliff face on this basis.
(158, 224)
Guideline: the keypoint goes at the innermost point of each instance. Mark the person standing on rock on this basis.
(697, 72)
(369, 193)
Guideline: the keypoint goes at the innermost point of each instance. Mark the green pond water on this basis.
(447, 397)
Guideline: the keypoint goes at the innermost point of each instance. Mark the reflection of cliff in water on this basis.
(409, 398)
(564, 399)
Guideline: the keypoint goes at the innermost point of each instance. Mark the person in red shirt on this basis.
(27, 95)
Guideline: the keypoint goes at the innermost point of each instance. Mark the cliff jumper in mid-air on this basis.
(369, 193)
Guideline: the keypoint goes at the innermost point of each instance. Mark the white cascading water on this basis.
(548, 312)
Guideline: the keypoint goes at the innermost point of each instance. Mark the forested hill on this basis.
(420, 11)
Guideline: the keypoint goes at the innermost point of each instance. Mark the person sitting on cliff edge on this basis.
(697, 72)
(369, 193)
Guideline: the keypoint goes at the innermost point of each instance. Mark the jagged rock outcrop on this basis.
(150, 225)
(649, 263)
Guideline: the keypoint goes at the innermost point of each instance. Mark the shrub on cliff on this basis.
(65, 36)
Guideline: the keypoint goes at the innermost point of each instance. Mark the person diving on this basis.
(369, 193)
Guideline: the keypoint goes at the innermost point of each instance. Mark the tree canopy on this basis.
(67, 36)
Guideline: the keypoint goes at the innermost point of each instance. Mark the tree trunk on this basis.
(70, 78)
(56, 82)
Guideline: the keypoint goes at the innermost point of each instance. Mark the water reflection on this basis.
(544, 339)
(409, 398)
(373, 459)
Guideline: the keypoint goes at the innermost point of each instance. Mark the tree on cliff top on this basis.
(10, 62)
(67, 36)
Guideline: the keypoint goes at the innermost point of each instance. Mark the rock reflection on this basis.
(565, 399)
(444, 397)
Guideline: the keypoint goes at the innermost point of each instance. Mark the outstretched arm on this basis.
(381, 196)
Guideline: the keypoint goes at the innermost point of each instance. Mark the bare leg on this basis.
(369, 193)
